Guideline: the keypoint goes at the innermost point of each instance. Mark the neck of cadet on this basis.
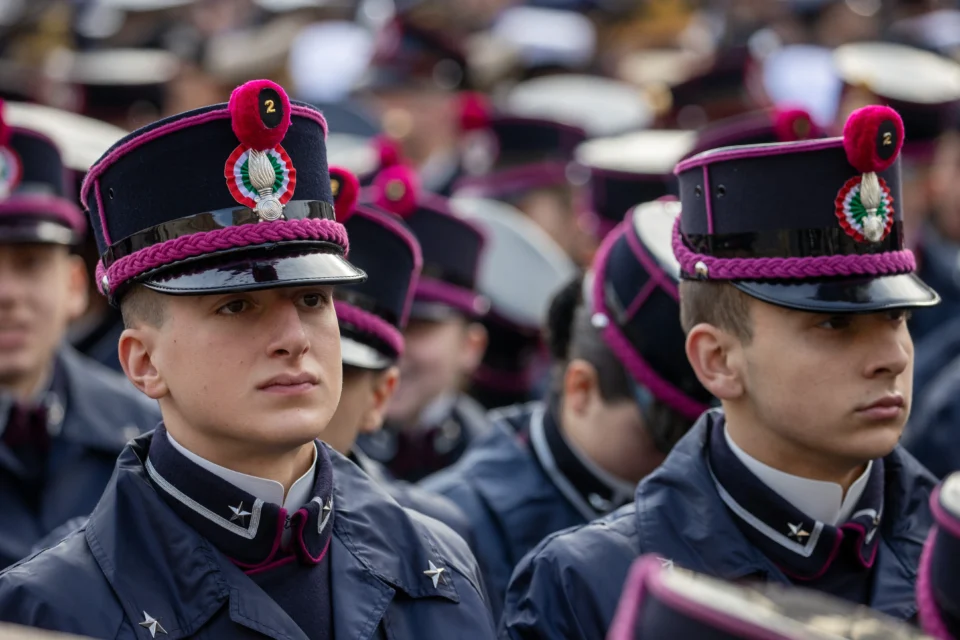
(790, 457)
(283, 464)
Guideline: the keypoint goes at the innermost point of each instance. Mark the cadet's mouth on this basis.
(290, 383)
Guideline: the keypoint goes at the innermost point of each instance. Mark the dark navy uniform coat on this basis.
(101, 412)
(568, 587)
(512, 497)
(136, 555)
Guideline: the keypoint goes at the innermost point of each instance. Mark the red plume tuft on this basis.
(4, 127)
(872, 138)
(475, 111)
(794, 124)
(389, 150)
(396, 190)
(346, 190)
(260, 114)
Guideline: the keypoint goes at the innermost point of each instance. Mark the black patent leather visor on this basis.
(844, 295)
(255, 270)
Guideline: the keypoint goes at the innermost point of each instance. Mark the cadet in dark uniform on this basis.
(230, 520)
(660, 602)
(938, 591)
(619, 399)
(795, 285)
(430, 421)
(372, 316)
(63, 418)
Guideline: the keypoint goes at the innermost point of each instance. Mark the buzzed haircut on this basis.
(716, 303)
(142, 306)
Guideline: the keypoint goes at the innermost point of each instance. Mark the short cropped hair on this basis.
(141, 306)
(716, 303)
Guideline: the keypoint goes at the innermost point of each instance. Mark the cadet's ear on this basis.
(580, 385)
(474, 346)
(78, 296)
(384, 385)
(134, 349)
(715, 356)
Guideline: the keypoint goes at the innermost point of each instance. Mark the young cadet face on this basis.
(438, 356)
(829, 388)
(362, 404)
(255, 370)
(42, 288)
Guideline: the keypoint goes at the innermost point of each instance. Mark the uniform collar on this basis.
(590, 489)
(51, 395)
(802, 546)
(254, 532)
(823, 501)
(265, 490)
(155, 562)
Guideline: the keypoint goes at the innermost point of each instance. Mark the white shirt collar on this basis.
(269, 491)
(823, 501)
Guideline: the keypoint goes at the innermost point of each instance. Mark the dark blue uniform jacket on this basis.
(135, 555)
(517, 489)
(568, 587)
(101, 412)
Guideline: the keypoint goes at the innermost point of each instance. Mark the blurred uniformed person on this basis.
(372, 316)
(63, 418)
(938, 592)
(617, 403)
(430, 421)
(231, 520)
(794, 301)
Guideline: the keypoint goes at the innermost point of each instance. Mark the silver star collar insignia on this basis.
(239, 514)
(797, 532)
(152, 625)
(436, 574)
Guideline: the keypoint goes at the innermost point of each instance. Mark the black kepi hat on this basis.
(814, 225)
(210, 201)
(373, 314)
(36, 197)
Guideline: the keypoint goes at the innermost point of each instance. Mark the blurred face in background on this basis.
(423, 121)
(945, 187)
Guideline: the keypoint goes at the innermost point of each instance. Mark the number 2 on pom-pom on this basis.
(887, 136)
(272, 109)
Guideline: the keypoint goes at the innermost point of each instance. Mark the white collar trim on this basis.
(270, 491)
(822, 501)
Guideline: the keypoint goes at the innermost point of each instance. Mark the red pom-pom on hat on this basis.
(872, 138)
(346, 190)
(794, 124)
(4, 127)
(389, 151)
(475, 111)
(396, 190)
(260, 114)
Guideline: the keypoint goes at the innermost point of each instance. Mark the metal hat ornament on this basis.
(396, 190)
(11, 168)
(872, 139)
(259, 173)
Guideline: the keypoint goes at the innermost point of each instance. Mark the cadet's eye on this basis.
(233, 308)
(313, 300)
(836, 323)
(899, 316)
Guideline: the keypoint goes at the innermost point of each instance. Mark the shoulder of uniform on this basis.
(450, 546)
(63, 589)
(586, 544)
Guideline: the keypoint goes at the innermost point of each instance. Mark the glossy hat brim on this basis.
(862, 294)
(356, 354)
(252, 271)
(37, 232)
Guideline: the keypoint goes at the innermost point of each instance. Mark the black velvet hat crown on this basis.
(210, 201)
(36, 197)
(373, 314)
(659, 601)
(451, 246)
(814, 225)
